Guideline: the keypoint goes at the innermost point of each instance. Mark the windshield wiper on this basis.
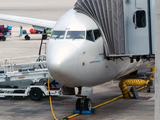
(55, 38)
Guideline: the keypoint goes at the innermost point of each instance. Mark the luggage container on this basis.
(8, 33)
(6, 26)
(48, 31)
(32, 31)
(1, 34)
(1, 26)
(9, 27)
(5, 31)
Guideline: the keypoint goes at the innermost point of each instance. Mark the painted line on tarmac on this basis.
(109, 101)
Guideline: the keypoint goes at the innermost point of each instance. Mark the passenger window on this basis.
(90, 35)
(97, 34)
(141, 18)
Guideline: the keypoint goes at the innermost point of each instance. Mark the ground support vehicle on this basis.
(43, 32)
(18, 80)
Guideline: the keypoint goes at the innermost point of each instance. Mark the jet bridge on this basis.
(126, 25)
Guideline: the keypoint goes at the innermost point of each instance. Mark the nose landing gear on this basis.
(83, 104)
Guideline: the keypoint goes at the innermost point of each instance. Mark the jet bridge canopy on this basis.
(108, 14)
(118, 22)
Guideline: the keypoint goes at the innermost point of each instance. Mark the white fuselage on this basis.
(77, 62)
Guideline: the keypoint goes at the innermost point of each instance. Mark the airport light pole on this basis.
(157, 60)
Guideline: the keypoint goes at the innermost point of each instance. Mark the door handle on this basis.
(134, 20)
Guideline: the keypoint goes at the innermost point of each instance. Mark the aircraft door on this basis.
(137, 30)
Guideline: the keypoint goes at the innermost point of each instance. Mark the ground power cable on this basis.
(64, 105)
(51, 100)
(67, 118)
(74, 115)
(107, 102)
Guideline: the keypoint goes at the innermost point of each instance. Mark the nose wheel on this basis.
(83, 104)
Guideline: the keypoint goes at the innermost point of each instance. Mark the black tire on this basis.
(148, 90)
(0, 38)
(36, 94)
(44, 37)
(27, 37)
(3, 38)
(134, 73)
(87, 104)
(78, 104)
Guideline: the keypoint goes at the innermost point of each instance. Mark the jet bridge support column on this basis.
(157, 59)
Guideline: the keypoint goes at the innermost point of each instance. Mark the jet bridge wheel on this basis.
(83, 104)
(36, 94)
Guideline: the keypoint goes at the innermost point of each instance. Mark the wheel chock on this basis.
(93, 111)
(84, 111)
(134, 92)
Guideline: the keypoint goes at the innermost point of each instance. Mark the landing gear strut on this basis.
(83, 104)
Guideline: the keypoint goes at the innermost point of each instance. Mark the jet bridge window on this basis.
(140, 18)
(97, 34)
(58, 34)
(90, 35)
(75, 35)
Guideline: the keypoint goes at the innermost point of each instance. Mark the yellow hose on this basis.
(51, 100)
(153, 71)
(130, 82)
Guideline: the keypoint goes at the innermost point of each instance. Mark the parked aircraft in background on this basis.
(38, 24)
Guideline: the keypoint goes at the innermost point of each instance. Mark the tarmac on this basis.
(18, 108)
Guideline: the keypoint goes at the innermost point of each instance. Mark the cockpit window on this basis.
(90, 35)
(75, 35)
(58, 34)
(97, 34)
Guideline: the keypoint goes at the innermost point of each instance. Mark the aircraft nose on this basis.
(62, 60)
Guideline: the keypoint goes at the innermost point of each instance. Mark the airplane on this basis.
(76, 55)
(38, 24)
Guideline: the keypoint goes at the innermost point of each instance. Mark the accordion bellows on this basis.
(109, 16)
